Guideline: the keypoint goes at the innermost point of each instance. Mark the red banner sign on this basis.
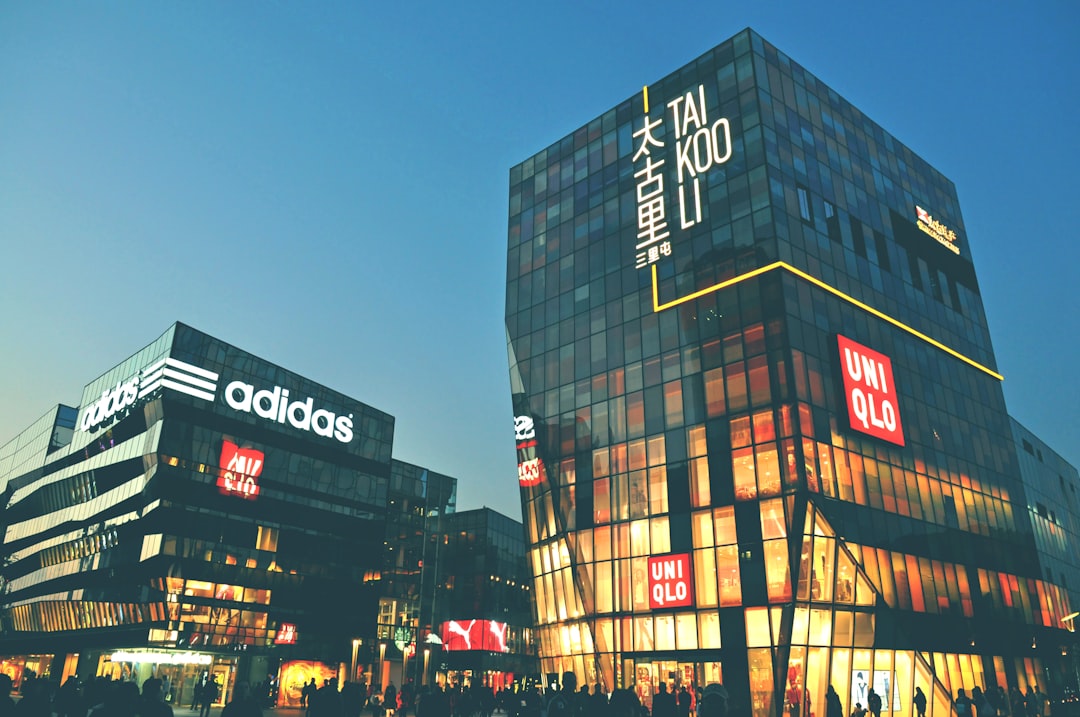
(670, 583)
(530, 467)
(474, 635)
(240, 470)
(286, 634)
(870, 392)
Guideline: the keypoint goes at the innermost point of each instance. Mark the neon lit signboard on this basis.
(164, 373)
(270, 403)
(273, 404)
(700, 146)
(530, 467)
(870, 392)
(240, 470)
(286, 634)
(670, 581)
(474, 635)
(939, 232)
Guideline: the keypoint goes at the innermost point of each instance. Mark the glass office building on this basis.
(761, 436)
(201, 511)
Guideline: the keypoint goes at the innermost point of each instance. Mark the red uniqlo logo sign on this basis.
(240, 470)
(669, 581)
(286, 634)
(870, 392)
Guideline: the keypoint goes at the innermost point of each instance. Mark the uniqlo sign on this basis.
(240, 470)
(669, 581)
(870, 392)
(286, 634)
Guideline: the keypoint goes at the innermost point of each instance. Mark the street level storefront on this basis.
(761, 436)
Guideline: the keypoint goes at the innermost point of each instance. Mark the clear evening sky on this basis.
(325, 184)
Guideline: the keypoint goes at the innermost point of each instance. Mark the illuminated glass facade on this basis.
(761, 438)
(203, 504)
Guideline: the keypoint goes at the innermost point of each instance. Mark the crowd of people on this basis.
(565, 700)
(103, 697)
(994, 701)
(568, 700)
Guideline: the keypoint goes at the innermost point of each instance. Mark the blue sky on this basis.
(325, 184)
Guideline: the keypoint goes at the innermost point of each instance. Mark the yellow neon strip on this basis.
(645, 97)
(657, 306)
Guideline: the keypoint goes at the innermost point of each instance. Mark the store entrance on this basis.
(674, 675)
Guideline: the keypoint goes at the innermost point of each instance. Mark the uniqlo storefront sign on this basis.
(670, 583)
(240, 470)
(870, 391)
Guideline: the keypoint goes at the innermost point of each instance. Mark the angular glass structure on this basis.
(761, 436)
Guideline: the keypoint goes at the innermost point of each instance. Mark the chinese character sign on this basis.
(670, 584)
(932, 227)
(699, 146)
(870, 392)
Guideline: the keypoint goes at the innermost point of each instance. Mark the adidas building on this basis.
(202, 514)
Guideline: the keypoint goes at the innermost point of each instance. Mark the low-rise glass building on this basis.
(761, 435)
(480, 599)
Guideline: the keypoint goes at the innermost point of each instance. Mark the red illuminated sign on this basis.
(286, 634)
(474, 635)
(670, 583)
(529, 472)
(530, 467)
(870, 392)
(240, 470)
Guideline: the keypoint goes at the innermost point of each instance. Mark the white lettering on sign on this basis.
(669, 581)
(529, 472)
(273, 405)
(871, 397)
(700, 146)
(242, 468)
(167, 373)
(112, 401)
(524, 429)
(697, 148)
(651, 208)
(872, 373)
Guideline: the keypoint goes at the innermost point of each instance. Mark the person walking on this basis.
(684, 701)
(390, 698)
(873, 703)
(152, 703)
(664, 704)
(962, 704)
(982, 705)
(919, 700)
(714, 701)
(7, 705)
(243, 703)
(209, 696)
(562, 702)
(833, 706)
